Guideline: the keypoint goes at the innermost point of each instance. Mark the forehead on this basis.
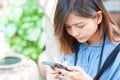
(72, 19)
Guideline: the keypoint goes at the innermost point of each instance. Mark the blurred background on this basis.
(23, 28)
(22, 31)
(113, 6)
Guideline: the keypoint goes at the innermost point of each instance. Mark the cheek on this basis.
(90, 30)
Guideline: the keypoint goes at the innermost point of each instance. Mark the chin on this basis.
(81, 40)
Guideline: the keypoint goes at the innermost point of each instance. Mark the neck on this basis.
(96, 38)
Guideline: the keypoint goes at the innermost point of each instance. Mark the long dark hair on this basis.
(84, 8)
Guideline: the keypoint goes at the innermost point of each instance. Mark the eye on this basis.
(80, 26)
(67, 27)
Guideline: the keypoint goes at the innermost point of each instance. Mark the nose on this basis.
(75, 32)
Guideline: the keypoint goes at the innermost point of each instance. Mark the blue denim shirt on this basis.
(88, 59)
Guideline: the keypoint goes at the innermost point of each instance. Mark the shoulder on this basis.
(68, 58)
(110, 43)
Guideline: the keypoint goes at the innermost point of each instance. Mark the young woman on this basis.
(86, 35)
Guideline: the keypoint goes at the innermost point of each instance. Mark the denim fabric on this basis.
(88, 59)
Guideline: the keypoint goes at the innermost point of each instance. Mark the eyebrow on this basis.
(76, 23)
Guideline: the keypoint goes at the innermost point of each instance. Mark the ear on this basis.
(99, 17)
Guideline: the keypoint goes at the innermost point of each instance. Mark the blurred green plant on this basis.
(24, 28)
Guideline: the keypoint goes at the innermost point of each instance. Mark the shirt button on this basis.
(88, 50)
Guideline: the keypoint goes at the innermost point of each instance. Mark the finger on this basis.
(65, 75)
(54, 72)
(53, 68)
(56, 76)
(57, 79)
(62, 71)
(76, 69)
(65, 63)
(61, 77)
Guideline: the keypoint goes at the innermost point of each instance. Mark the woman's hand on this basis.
(75, 73)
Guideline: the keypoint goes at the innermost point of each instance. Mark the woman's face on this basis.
(81, 28)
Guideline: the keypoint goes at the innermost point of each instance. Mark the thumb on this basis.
(65, 63)
(77, 69)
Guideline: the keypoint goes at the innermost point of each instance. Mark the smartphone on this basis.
(55, 65)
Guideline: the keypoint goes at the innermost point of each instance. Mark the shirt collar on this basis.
(85, 45)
